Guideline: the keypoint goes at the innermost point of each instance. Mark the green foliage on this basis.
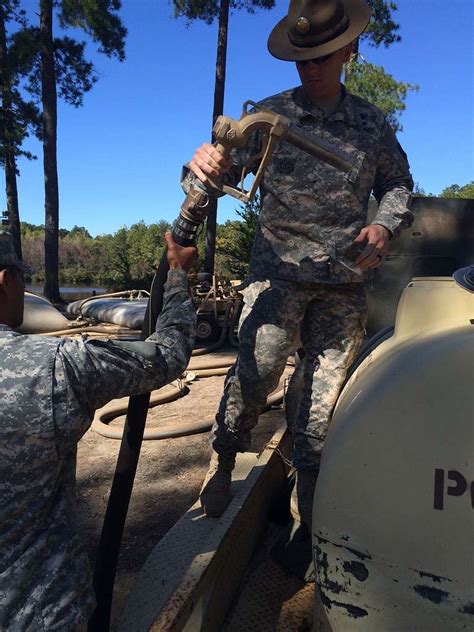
(19, 117)
(25, 121)
(382, 28)
(371, 82)
(99, 19)
(77, 231)
(379, 87)
(123, 260)
(419, 191)
(75, 75)
(235, 239)
(127, 258)
(208, 10)
(456, 192)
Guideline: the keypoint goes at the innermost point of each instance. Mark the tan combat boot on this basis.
(215, 491)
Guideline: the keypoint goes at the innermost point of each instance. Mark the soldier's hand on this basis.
(207, 161)
(377, 238)
(179, 257)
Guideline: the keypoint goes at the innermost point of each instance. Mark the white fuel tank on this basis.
(393, 526)
(40, 316)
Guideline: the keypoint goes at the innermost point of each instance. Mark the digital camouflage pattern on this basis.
(278, 318)
(49, 390)
(310, 211)
(305, 282)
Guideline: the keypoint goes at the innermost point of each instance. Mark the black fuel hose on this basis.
(124, 476)
(193, 213)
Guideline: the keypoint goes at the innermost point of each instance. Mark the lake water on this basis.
(70, 293)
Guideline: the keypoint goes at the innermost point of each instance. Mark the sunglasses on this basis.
(318, 60)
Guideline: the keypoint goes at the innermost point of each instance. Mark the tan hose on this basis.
(109, 412)
(94, 329)
(210, 372)
(184, 430)
(224, 360)
(116, 409)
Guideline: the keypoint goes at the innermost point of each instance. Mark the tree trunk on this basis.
(7, 139)
(12, 198)
(217, 111)
(51, 192)
(221, 60)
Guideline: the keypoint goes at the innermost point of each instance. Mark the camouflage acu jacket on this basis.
(49, 390)
(311, 212)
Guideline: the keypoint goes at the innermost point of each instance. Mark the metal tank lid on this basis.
(464, 277)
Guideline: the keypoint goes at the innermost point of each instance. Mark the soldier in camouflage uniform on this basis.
(312, 252)
(49, 390)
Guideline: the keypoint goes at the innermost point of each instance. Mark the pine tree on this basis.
(58, 66)
(18, 117)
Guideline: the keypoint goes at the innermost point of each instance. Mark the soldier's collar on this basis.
(343, 112)
(346, 110)
(305, 107)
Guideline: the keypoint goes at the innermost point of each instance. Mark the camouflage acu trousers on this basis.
(279, 317)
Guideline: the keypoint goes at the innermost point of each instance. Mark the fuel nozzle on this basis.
(193, 212)
(231, 134)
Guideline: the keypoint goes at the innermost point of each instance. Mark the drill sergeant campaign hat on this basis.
(315, 28)
(8, 256)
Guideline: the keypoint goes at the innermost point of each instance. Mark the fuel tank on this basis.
(393, 526)
(118, 311)
(40, 316)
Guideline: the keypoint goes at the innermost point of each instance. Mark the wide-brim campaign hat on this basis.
(314, 28)
(465, 277)
(8, 256)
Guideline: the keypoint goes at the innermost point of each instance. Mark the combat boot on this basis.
(215, 491)
(301, 503)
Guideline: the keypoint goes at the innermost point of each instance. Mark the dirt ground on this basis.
(169, 476)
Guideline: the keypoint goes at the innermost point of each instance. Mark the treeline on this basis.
(126, 259)
(119, 261)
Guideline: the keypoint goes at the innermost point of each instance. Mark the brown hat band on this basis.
(308, 40)
(306, 33)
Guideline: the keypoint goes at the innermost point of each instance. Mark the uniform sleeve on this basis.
(393, 185)
(98, 371)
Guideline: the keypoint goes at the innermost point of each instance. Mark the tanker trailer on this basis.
(393, 511)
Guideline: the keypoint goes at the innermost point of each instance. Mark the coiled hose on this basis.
(172, 392)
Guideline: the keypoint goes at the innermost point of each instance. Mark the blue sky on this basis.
(120, 155)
